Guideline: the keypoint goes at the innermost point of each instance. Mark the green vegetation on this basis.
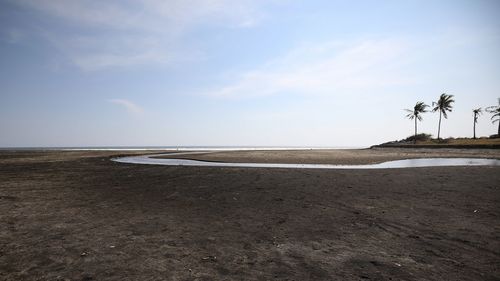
(495, 110)
(443, 105)
(425, 141)
(420, 138)
(460, 142)
(416, 114)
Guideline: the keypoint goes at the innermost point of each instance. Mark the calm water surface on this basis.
(407, 163)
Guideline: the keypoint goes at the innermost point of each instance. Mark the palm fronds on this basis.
(444, 104)
(477, 112)
(419, 108)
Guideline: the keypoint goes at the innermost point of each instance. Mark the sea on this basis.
(180, 148)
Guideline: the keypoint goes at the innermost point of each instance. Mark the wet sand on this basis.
(80, 216)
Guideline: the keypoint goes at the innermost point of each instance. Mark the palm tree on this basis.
(443, 105)
(418, 109)
(495, 110)
(476, 112)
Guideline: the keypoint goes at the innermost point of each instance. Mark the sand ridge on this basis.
(336, 156)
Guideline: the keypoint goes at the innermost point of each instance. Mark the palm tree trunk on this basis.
(439, 125)
(415, 138)
(474, 126)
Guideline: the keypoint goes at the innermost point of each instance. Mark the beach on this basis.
(334, 156)
(77, 215)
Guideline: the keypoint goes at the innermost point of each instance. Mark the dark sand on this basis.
(79, 216)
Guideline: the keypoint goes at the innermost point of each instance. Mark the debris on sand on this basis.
(209, 258)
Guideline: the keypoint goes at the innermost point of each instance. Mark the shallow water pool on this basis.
(407, 163)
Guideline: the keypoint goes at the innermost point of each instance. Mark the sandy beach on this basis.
(336, 156)
(76, 215)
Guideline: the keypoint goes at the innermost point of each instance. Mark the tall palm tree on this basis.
(476, 112)
(416, 114)
(495, 110)
(443, 105)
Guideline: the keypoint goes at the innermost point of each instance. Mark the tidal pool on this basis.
(407, 163)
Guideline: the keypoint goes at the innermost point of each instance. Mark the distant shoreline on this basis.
(459, 143)
(181, 148)
(439, 146)
(455, 144)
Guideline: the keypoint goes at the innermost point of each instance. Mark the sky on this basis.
(241, 72)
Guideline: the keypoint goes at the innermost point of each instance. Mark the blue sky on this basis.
(229, 72)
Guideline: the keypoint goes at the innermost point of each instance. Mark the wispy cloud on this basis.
(118, 34)
(326, 68)
(97, 61)
(12, 35)
(128, 105)
(149, 14)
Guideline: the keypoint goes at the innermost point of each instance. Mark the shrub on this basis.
(419, 137)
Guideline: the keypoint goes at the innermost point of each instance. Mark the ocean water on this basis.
(178, 148)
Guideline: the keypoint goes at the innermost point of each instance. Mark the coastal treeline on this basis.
(443, 105)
